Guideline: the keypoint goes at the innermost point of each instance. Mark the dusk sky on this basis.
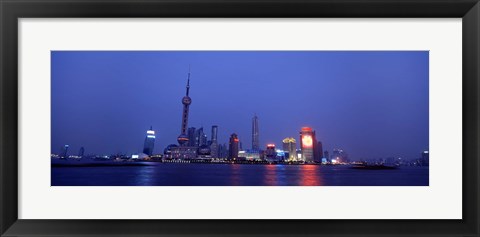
(372, 104)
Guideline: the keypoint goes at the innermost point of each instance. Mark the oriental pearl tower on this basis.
(186, 101)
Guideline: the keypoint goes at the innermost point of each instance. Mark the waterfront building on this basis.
(65, 152)
(281, 155)
(222, 151)
(168, 150)
(233, 147)
(191, 136)
(81, 152)
(308, 142)
(290, 146)
(242, 155)
(425, 158)
(270, 153)
(326, 155)
(184, 152)
(340, 155)
(149, 142)
(251, 155)
(255, 134)
(214, 142)
(204, 151)
(318, 152)
(299, 155)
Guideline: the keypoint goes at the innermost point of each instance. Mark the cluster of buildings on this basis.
(193, 144)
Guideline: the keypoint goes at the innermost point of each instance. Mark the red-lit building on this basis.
(308, 144)
(233, 147)
(270, 153)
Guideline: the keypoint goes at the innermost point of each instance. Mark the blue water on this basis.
(175, 174)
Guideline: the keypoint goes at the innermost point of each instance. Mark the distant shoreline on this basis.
(102, 163)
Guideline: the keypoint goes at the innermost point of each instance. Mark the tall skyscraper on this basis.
(214, 133)
(255, 135)
(200, 137)
(64, 154)
(222, 151)
(233, 147)
(308, 142)
(191, 136)
(204, 140)
(318, 152)
(290, 146)
(149, 142)
(81, 152)
(214, 142)
(186, 101)
(340, 155)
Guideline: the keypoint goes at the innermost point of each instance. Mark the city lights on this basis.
(307, 141)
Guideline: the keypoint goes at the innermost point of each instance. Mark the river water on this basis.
(177, 174)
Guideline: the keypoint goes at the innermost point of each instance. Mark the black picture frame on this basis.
(11, 11)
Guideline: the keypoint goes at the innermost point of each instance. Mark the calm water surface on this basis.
(175, 174)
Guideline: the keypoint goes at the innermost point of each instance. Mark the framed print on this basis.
(239, 118)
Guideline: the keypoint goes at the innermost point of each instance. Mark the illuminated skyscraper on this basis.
(290, 146)
(65, 152)
(425, 161)
(233, 147)
(339, 155)
(200, 137)
(270, 153)
(149, 142)
(214, 142)
(186, 101)
(308, 141)
(255, 135)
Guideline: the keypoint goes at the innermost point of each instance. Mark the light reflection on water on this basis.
(309, 176)
(271, 176)
(171, 174)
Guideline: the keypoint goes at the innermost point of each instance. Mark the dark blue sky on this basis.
(371, 104)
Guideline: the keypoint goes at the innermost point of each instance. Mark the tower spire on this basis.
(188, 80)
(186, 101)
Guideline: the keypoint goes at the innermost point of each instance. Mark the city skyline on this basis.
(270, 134)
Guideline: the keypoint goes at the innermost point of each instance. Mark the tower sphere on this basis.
(186, 100)
(182, 139)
